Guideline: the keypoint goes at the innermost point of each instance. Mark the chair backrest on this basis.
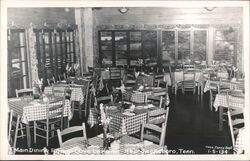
(160, 117)
(115, 73)
(69, 131)
(23, 92)
(55, 110)
(153, 98)
(104, 99)
(235, 121)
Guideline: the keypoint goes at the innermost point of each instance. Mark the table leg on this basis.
(28, 135)
(220, 118)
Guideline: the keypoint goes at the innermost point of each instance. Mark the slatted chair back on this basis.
(155, 99)
(24, 92)
(104, 99)
(69, 131)
(55, 112)
(188, 83)
(115, 73)
(235, 100)
(152, 126)
(235, 121)
(16, 129)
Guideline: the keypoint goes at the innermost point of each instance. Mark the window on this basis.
(180, 45)
(106, 47)
(121, 48)
(183, 46)
(17, 61)
(225, 45)
(55, 49)
(168, 46)
(125, 47)
(200, 45)
(135, 46)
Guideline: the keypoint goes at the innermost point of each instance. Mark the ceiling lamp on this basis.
(123, 10)
(209, 8)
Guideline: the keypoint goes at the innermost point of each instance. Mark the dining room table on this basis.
(125, 145)
(221, 102)
(140, 95)
(77, 91)
(30, 109)
(124, 119)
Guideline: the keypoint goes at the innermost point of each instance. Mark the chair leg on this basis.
(47, 135)
(35, 131)
(211, 100)
(16, 132)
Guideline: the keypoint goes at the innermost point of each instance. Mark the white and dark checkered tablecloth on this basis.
(127, 124)
(77, 93)
(139, 97)
(221, 100)
(32, 111)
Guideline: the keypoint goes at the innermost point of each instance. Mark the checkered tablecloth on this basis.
(127, 124)
(221, 100)
(239, 146)
(120, 122)
(77, 93)
(33, 110)
(139, 97)
(127, 144)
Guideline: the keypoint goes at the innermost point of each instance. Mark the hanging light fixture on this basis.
(209, 8)
(123, 10)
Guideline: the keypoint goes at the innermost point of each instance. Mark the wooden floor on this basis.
(192, 128)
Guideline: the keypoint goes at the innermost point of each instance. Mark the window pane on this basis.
(168, 45)
(150, 45)
(135, 36)
(106, 41)
(183, 45)
(200, 37)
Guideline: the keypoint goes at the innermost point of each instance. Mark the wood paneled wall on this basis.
(160, 15)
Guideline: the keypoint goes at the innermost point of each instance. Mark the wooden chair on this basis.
(188, 83)
(115, 76)
(156, 123)
(159, 80)
(235, 122)
(69, 131)
(156, 100)
(54, 120)
(83, 108)
(235, 102)
(129, 77)
(23, 92)
(16, 129)
(104, 99)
